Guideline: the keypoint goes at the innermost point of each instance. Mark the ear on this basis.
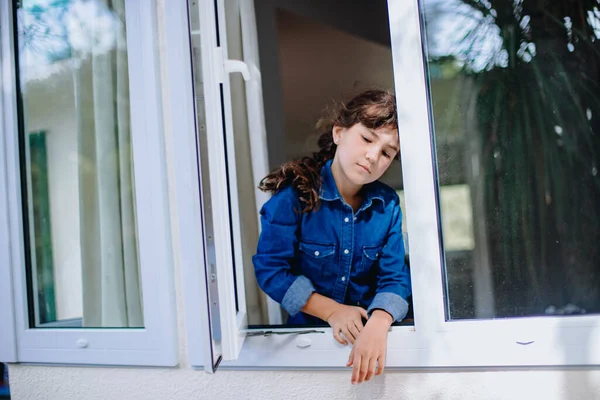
(337, 133)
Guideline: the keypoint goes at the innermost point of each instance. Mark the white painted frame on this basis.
(202, 349)
(206, 349)
(156, 343)
(238, 319)
(8, 344)
(432, 341)
(218, 120)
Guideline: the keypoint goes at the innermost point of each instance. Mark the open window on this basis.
(84, 214)
(499, 277)
(235, 152)
(219, 131)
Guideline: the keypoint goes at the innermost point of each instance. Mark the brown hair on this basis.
(373, 108)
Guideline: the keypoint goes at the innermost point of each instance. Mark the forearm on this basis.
(320, 306)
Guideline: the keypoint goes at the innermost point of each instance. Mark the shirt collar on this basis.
(329, 191)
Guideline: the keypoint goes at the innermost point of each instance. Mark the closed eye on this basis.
(367, 139)
(386, 154)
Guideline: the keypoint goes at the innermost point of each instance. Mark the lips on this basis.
(364, 168)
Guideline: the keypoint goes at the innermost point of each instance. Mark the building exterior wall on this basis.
(130, 383)
(61, 382)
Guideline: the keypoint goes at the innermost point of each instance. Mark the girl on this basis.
(331, 244)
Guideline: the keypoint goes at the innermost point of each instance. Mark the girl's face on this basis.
(364, 154)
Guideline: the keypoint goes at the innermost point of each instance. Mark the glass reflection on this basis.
(514, 91)
(77, 179)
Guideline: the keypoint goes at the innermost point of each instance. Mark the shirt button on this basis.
(343, 278)
(355, 218)
(346, 219)
(346, 251)
(317, 253)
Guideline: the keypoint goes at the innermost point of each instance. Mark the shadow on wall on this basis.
(4, 389)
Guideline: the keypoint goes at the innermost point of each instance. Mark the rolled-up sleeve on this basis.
(393, 276)
(276, 252)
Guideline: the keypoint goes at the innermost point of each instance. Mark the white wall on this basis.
(38, 382)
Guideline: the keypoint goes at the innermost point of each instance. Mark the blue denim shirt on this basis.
(352, 258)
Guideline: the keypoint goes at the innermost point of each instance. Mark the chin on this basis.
(361, 180)
(367, 181)
(357, 176)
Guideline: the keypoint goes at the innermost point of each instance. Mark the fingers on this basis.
(350, 358)
(363, 313)
(353, 330)
(356, 370)
(380, 365)
(348, 335)
(364, 368)
(371, 368)
(361, 367)
(336, 335)
(359, 325)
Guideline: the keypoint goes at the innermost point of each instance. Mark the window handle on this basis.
(225, 66)
(270, 333)
(231, 66)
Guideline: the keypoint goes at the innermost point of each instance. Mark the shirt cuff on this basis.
(392, 303)
(297, 295)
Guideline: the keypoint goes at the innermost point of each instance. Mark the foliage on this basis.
(537, 108)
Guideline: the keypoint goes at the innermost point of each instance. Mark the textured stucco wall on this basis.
(105, 383)
(36, 382)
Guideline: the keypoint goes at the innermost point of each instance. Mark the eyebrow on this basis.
(396, 149)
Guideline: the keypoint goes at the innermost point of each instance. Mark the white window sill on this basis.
(497, 345)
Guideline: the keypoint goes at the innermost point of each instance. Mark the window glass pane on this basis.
(514, 95)
(77, 172)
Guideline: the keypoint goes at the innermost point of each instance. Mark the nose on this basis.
(371, 154)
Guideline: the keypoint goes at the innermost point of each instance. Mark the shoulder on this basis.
(287, 195)
(283, 204)
(385, 193)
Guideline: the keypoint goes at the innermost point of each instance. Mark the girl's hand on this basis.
(368, 353)
(347, 320)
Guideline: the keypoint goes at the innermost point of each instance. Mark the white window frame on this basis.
(156, 343)
(215, 65)
(8, 344)
(204, 349)
(527, 341)
(432, 342)
(215, 69)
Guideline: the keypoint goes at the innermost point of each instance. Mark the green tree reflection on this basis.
(530, 82)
